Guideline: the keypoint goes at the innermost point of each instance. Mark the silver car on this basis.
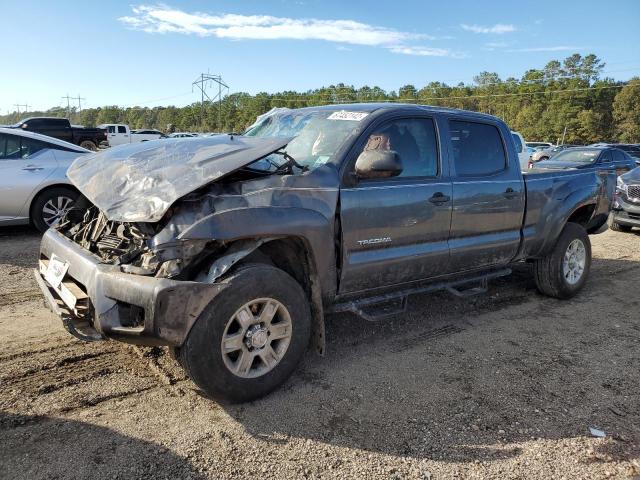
(33, 183)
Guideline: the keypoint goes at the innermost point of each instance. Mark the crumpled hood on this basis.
(139, 182)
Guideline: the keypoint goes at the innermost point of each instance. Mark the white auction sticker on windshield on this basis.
(344, 115)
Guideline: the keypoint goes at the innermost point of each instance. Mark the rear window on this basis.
(477, 148)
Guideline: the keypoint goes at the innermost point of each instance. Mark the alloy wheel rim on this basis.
(574, 262)
(55, 208)
(256, 338)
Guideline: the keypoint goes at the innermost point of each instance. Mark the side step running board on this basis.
(387, 305)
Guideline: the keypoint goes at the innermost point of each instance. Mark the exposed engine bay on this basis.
(114, 242)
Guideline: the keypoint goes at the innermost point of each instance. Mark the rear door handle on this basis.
(32, 168)
(439, 198)
(510, 193)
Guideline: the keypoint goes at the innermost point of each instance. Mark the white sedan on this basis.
(34, 187)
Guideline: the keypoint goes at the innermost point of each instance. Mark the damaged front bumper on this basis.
(97, 300)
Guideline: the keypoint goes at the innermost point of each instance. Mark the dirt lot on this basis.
(504, 385)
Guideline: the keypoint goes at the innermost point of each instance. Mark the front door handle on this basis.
(439, 198)
(510, 193)
(32, 168)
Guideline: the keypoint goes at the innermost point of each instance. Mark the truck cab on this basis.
(117, 133)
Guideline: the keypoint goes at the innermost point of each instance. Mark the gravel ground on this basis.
(503, 385)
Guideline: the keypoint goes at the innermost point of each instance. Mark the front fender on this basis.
(314, 229)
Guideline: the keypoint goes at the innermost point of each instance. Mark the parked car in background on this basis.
(540, 144)
(625, 213)
(33, 183)
(182, 135)
(373, 203)
(120, 134)
(521, 149)
(60, 128)
(604, 158)
(548, 153)
(630, 148)
(148, 134)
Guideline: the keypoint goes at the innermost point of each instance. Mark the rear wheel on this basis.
(251, 336)
(50, 205)
(89, 145)
(563, 272)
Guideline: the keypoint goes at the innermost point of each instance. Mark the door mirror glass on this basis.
(378, 164)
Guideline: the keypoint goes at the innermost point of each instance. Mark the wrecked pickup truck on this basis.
(231, 249)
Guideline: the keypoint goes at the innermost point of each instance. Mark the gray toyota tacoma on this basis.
(231, 249)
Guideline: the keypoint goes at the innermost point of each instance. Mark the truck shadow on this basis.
(470, 380)
(38, 447)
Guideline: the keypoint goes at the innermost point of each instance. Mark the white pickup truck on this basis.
(119, 134)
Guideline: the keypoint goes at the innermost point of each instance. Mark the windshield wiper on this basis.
(290, 162)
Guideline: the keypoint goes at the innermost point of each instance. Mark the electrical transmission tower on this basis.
(205, 81)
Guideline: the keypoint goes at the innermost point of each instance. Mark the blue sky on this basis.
(113, 52)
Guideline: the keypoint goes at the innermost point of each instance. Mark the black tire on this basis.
(548, 271)
(89, 145)
(617, 227)
(543, 158)
(39, 217)
(201, 354)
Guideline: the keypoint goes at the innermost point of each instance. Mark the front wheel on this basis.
(251, 337)
(563, 272)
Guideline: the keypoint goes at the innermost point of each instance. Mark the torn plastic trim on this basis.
(182, 249)
(236, 252)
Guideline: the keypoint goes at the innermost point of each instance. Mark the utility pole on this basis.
(78, 98)
(202, 84)
(18, 105)
(564, 134)
(68, 106)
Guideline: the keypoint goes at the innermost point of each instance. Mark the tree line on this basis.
(565, 96)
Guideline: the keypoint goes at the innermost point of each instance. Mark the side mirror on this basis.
(378, 164)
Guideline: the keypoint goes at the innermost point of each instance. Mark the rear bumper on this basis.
(109, 303)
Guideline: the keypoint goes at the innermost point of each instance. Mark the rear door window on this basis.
(477, 148)
(606, 157)
(122, 129)
(619, 156)
(29, 147)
